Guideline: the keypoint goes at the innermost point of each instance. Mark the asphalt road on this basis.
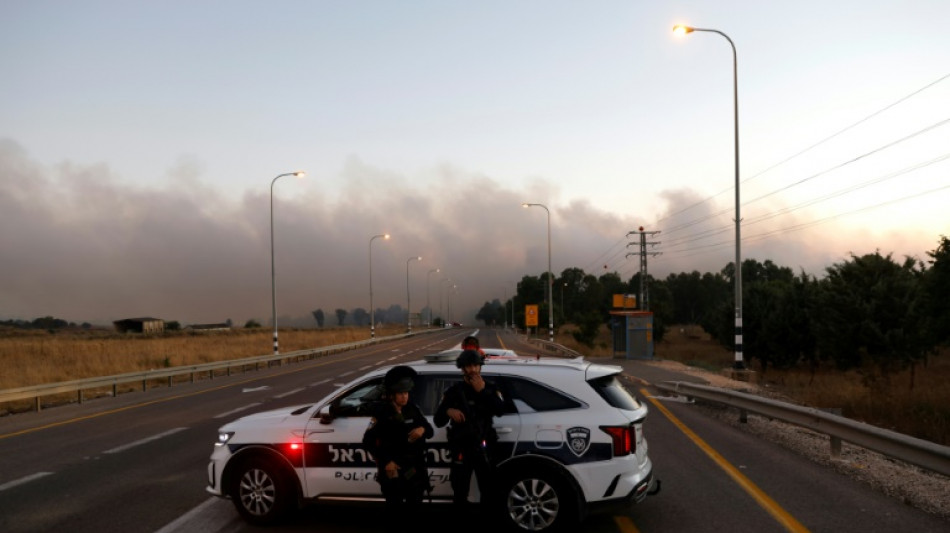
(138, 462)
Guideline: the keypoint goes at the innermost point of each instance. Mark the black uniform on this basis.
(471, 442)
(387, 438)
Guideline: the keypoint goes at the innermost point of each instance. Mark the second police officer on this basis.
(470, 405)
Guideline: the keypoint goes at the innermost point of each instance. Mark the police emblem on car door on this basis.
(578, 440)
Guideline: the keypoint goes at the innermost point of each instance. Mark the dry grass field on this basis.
(30, 357)
(37, 357)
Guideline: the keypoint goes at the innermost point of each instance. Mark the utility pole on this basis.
(643, 300)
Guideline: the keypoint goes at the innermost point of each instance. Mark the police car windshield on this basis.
(611, 390)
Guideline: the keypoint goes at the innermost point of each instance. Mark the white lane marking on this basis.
(321, 382)
(213, 514)
(362, 368)
(288, 393)
(22, 480)
(124, 447)
(238, 410)
(346, 374)
(256, 389)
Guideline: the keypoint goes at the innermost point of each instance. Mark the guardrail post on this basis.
(169, 382)
(38, 404)
(192, 378)
(115, 390)
(835, 448)
(144, 384)
(79, 399)
(743, 416)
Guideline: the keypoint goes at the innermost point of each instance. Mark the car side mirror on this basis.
(327, 415)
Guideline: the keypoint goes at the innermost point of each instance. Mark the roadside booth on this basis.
(632, 334)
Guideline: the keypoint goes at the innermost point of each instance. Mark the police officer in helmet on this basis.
(396, 437)
(469, 406)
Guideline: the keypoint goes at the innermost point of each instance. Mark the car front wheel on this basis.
(261, 492)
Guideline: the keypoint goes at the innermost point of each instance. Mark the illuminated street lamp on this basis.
(683, 30)
(273, 274)
(550, 283)
(408, 300)
(428, 305)
(372, 309)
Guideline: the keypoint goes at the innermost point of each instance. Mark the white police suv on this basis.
(571, 440)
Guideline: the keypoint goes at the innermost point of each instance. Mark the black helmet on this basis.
(469, 357)
(399, 379)
(470, 341)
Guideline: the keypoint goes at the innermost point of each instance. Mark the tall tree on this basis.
(340, 316)
(318, 316)
(867, 313)
(935, 294)
(491, 313)
(361, 316)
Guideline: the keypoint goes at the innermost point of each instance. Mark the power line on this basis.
(813, 146)
(711, 232)
(813, 176)
(804, 225)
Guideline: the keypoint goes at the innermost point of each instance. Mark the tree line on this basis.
(870, 312)
(394, 314)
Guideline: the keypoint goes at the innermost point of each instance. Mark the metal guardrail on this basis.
(556, 348)
(923, 453)
(37, 392)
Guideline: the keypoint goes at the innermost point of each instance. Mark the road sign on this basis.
(530, 315)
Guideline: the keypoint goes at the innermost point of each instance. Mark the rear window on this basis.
(610, 389)
(538, 397)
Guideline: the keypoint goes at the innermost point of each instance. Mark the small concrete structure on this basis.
(140, 325)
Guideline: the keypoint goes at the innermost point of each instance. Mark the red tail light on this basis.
(625, 441)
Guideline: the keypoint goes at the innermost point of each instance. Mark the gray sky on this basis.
(138, 143)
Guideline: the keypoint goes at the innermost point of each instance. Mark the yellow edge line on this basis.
(767, 503)
(625, 524)
(170, 398)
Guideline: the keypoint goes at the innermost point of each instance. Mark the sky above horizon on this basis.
(139, 142)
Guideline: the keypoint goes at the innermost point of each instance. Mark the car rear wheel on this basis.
(261, 492)
(538, 501)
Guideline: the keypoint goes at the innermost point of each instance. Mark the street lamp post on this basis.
(513, 327)
(408, 298)
(513, 296)
(273, 274)
(372, 310)
(563, 310)
(441, 314)
(550, 283)
(505, 304)
(448, 303)
(680, 29)
(428, 305)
